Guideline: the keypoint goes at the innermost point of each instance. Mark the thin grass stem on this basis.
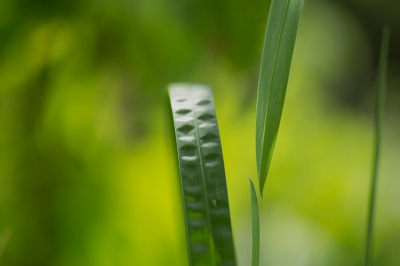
(382, 73)
(255, 229)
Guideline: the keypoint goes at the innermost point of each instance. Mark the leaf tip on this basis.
(251, 183)
(262, 191)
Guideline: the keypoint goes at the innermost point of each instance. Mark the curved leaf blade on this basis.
(203, 183)
(280, 37)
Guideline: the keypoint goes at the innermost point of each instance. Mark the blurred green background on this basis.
(87, 174)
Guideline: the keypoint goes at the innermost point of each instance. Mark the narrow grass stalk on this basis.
(255, 229)
(380, 97)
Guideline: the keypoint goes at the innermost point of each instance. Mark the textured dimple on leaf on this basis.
(188, 148)
(197, 223)
(199, 248)
(185, 129)
(181, 100)
(209, 137)
(195, 215)
(192, 166)
(190, 198)
(206, 116)
(183, 111)
(203, 102)
(195, 205)
(211, 156)
(188, 172)
(219, 212)
(194, 190)
(223, 233)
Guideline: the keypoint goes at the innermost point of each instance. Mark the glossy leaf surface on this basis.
(204, 191)
(280, 36)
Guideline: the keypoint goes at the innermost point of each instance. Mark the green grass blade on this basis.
(380, 98)
(204, 191)
(280, 36)
(255, 221)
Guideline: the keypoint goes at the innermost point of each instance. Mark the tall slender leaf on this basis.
(255, 221)
(280, 36)
(380, 98)
(204, 191)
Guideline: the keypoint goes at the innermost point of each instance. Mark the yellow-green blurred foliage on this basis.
(87, 173)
